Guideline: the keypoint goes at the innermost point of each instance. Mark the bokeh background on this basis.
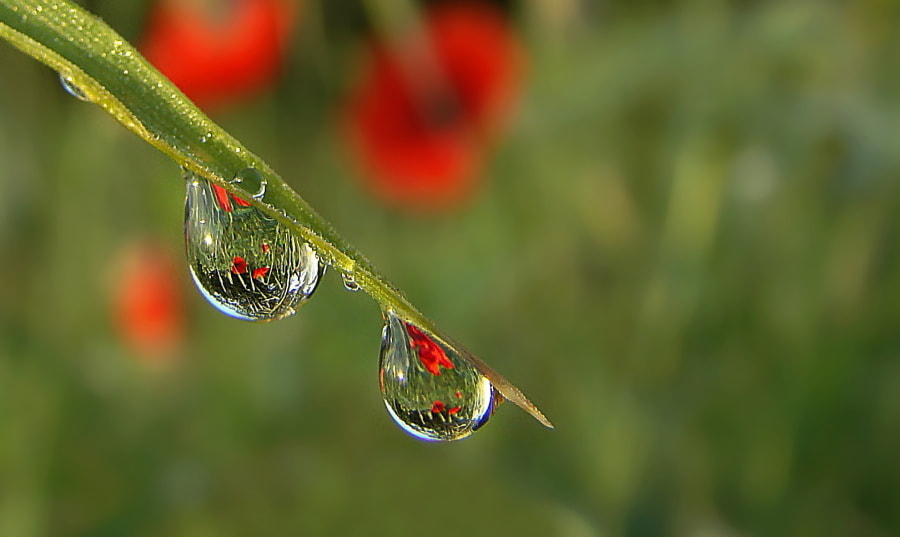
(681, 245)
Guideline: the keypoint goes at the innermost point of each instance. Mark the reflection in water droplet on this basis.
(251, 181)
(69, 85)
(349, 282)
(244, 262)
(428, 388)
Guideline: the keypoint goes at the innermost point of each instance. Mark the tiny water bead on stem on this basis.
(69, 85)
(349, 283)
(256, 249)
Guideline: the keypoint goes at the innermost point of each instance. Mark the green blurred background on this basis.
(683, 250)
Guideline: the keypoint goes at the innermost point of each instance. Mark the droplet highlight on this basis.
(243, 261)
(429, 389)
(72, 88)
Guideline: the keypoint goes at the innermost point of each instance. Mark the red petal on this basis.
(437, 407)
(431, 355)
(260, 272)
(238, 265)
(241, 201)
(222, 198)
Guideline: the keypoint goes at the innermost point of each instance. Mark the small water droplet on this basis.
(428, 388)
(350, 283)
(245, 262)
(69, 85)
(251, 181)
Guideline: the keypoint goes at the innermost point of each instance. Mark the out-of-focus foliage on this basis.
(684, 249)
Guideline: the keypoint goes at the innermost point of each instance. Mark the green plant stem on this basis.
(113, 75)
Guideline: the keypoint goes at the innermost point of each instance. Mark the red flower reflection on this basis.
(147, 303)
(217, 56)
(238, 265)
(430, 353)
(424, 107)
(223, 199)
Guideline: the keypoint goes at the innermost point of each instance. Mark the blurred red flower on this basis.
(426, 105)
(147, 303)
(216, 56)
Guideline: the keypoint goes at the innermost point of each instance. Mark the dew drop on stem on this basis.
(251, 181)
(429, 389)
(72, 88)
(350, 283)
(243, 261)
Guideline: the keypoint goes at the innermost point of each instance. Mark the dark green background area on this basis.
(684, 250)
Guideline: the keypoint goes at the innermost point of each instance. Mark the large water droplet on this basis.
(72, 88)
(428, 388)
(245, 263)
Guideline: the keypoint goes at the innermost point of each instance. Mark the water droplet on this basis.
(349, 282)
(245, 262)
(69, 85)
(429, 389)
(251, 181)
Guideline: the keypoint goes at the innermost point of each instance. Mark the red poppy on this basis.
(147, 303)
(426, 105)
(217, 56)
